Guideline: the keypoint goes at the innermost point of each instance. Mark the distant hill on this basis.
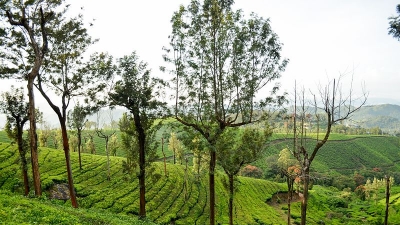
(385, 116)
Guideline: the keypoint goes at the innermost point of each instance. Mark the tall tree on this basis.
(13, 104)
(237, 148)
(394, 24)
(77, 120)
(337, 106)
(137, 92)
(65, 74)
(26, 46)
(220, 61)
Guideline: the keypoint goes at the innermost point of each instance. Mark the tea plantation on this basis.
(171, 199)
(167, 198)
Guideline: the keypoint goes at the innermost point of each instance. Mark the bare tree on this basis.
(106, 136)
(337, 106)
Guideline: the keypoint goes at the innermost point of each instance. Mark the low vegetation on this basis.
(165, 196)
(16, 209)
(117, 201)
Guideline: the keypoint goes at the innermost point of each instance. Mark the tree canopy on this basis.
(394, 24)
(136, 90)
(220, 60)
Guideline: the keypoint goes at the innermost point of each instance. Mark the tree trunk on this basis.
(304, 202)
(387, 200)
(68, 163)
(22, 153)
(198, 165)
(212, 186)
(108, 160)
(33, 138)
(186, 178)
(289, 198)
(231, 192)
(142, 165)
(165, 161)
(79, 148)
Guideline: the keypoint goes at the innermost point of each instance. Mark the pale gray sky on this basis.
(321, 38)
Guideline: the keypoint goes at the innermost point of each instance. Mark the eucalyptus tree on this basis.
(65, 76)
(220, 60)
(13, 104)
(337, 105)
(237, 148)
(77, 120)
(394, 24)
(24, 35)
(137, 92)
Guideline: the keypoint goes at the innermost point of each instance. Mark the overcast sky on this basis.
(321, 38)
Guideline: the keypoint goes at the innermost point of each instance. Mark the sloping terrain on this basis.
(167, 198)
(346, 156)
(16, 210)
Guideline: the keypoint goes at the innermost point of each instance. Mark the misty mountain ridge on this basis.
(384, 116)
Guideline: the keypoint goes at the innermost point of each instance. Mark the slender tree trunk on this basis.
(165, 161)
(199, 156)
(79, 148)
(142, 165)
(387, 200)
(142, 209)
(108, 160)
(212, 185)
(68, 163)
(231, 192)
(305, 196)
(289, 198)
(33, 138)
(24, 163)
(186, 178)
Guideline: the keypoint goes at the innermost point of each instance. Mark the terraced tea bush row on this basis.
(167, 197)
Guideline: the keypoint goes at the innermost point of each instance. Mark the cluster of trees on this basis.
(219, 60)
(356, 130)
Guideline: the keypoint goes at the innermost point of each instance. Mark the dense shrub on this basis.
(251, 171)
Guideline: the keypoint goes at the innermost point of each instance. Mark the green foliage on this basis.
(129, 144)
(73, 143)
(77, 117)
(24, 49)
(90, 146)
(113, 145)
(237, 148)
(394, 24)
(175, 145)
